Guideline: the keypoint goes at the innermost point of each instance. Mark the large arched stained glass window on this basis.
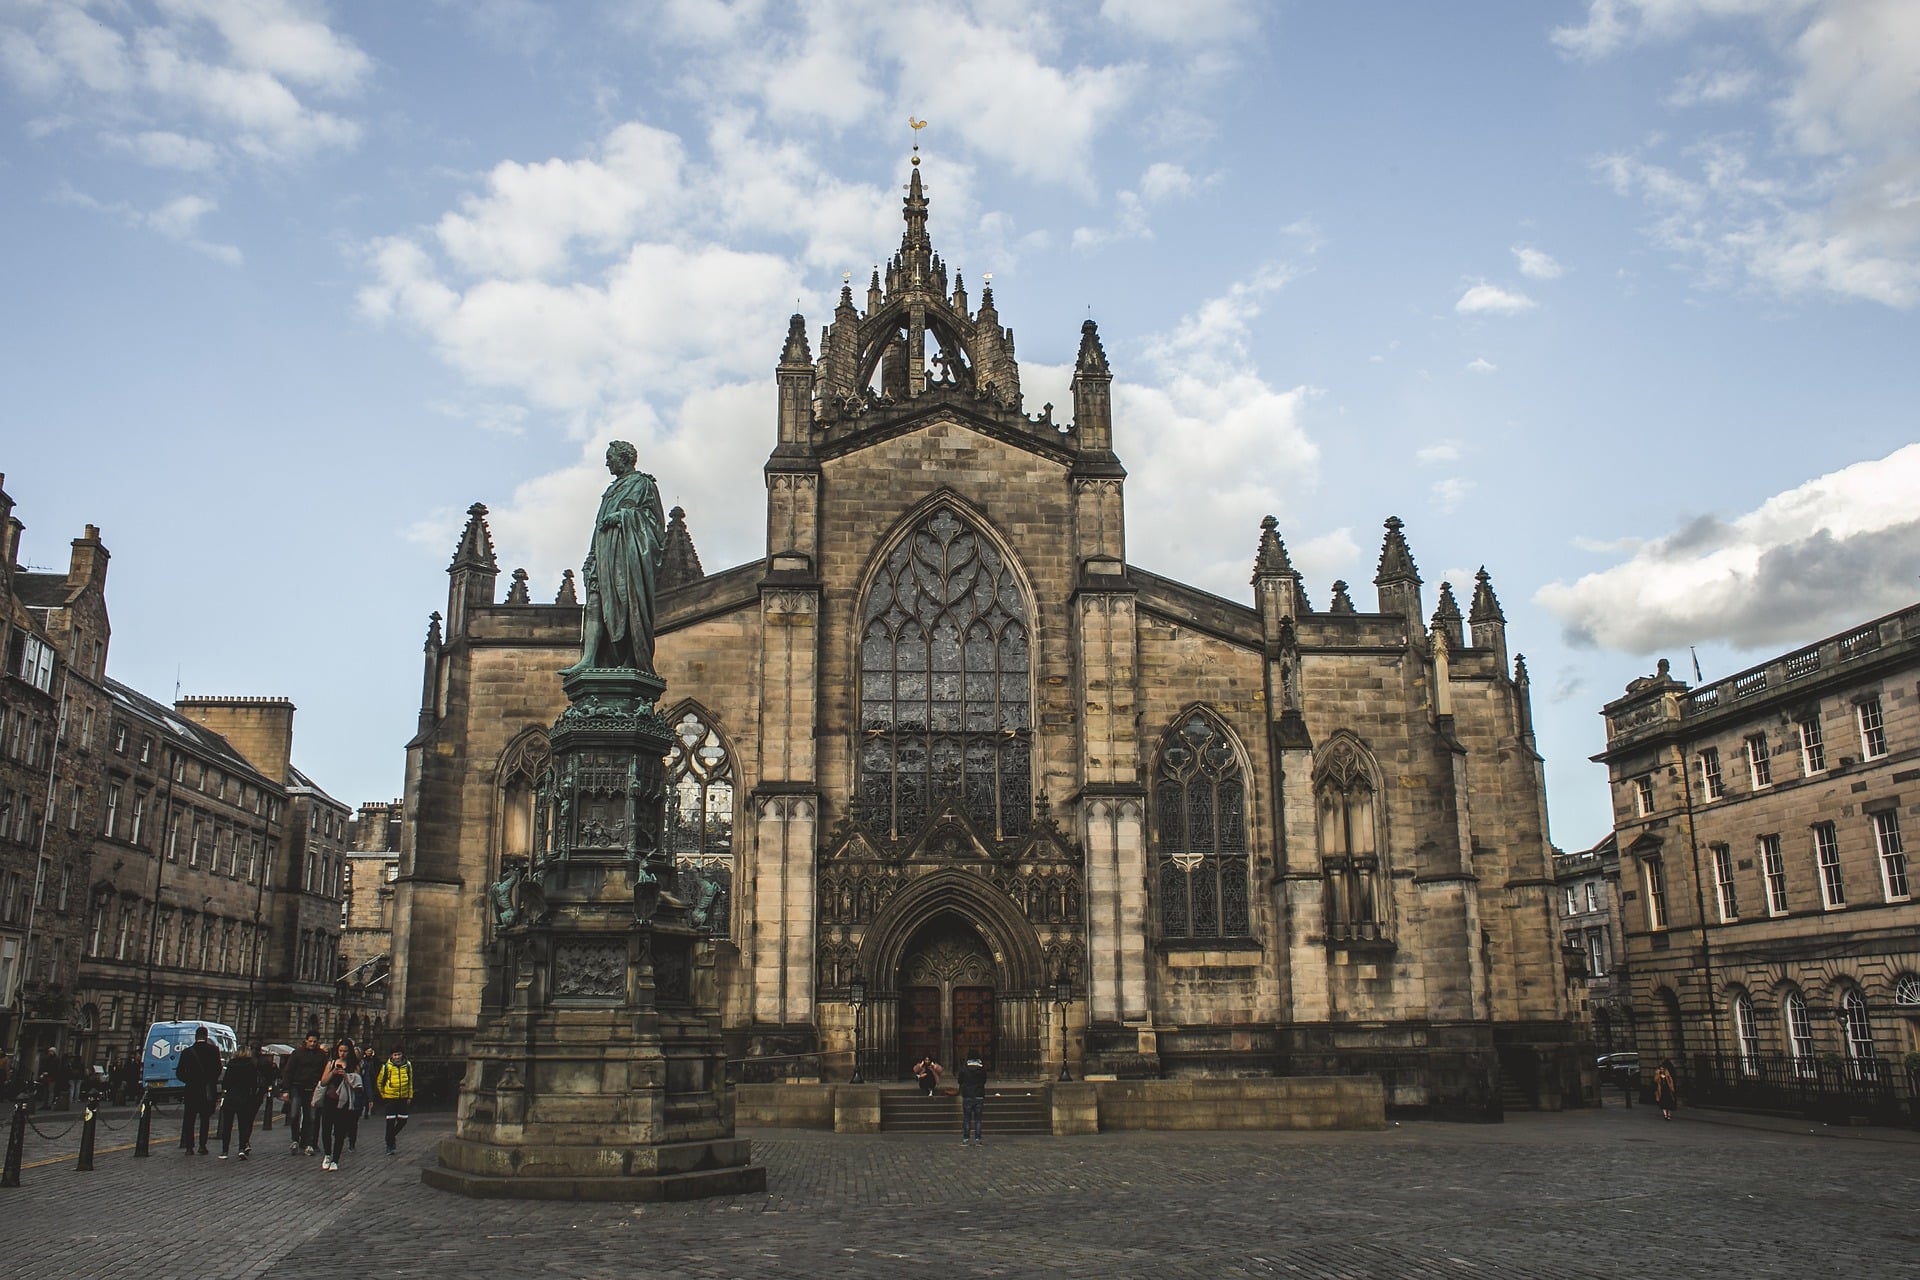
(945, 685)
(1200, 833)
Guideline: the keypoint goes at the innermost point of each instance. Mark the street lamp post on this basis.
(857, 998)
(1063, 996)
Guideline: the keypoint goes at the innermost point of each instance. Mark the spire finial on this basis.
(1271, 560)
(1486, 605)
(1396, 561)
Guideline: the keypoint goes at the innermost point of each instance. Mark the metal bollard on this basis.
(145, 1131)
(16, 1146)
(86, 1136)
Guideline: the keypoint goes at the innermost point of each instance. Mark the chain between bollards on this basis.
(145, 1131)
(86, 1136)
(16, 1146)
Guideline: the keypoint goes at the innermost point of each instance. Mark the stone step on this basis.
(1007, 1113)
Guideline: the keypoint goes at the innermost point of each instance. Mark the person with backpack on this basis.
(394, 1084)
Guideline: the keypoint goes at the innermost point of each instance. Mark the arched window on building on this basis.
(522, 765)
(946, 681)
(1346, 802)
(1800, 1034)
(700, 818)
(1200, 832)
(1746, 1030)
(1856, 1029)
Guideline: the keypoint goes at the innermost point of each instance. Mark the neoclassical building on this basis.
(946, 736)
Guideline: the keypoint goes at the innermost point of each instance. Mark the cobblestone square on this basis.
(1607, 1193)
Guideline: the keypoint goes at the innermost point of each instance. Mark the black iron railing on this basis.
(1877, 1091)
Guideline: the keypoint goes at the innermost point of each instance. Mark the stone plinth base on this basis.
(671, 1171)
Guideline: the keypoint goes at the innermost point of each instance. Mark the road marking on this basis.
(74, 1158)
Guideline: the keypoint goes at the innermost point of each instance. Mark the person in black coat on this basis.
(199, 1070)
(973, 1100)
(298, 1075)
(239, 1100)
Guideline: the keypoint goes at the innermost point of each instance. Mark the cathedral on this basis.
(952, 775)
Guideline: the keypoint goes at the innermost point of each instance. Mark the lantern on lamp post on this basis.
(1062, 997)
(857, 998)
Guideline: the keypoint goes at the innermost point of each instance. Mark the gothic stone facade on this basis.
(945, 736)
(1768, 903)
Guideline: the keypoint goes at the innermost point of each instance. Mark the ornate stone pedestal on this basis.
(598, 1072)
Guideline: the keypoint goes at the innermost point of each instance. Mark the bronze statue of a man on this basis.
(629, 538)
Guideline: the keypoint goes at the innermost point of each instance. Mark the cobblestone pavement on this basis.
(1599, 1193)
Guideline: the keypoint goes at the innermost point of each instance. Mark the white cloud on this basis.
(1438, 452)
(1492, 300)
(1161, 182)
(1614, 24)
(1535, 264)
(1448, 494)
(246, 69)
(1838, 548)
(1480, 364)
(1186, 23)
(1205, 420)
(1714, 86)
(532, 214)
(165, 149)
(1003, 81)
(1831, 204)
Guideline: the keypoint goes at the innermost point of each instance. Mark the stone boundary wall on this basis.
(1293, 1102)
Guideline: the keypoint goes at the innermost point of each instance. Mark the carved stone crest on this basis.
(585, 970)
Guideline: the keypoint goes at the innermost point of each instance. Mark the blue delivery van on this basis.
(166, 1041)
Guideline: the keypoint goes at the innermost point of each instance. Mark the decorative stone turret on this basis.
(795, 377)
(567, 595)
(1277, 585)
(474, 572)
(679, 563)
(1446, 616)
(1092, 394)
(1397, 579)
(517, 592)
(1342, 602)
(1488, 624)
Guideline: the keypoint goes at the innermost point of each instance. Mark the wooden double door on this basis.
(947, 1000)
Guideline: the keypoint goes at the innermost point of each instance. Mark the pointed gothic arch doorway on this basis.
(947, 995)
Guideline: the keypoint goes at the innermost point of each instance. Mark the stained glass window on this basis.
(700, 819)
(945, 686)
(1349, 843)
(1200, 833)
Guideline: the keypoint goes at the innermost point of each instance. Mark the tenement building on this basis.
(947, 743)
(1768, 900)
(1587, 883)
(54, 634)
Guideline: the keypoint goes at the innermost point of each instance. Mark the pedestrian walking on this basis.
(198, 1069)
(302, 1073)
(370, 1065)
(927, 1072)
(973, 1101)
(1666, 1089)
(239, 1099)
(394, 1084)
(337, 1097)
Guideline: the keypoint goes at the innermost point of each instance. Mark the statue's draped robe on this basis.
(628, 541)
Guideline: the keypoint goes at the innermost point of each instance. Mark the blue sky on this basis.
(1616, 297)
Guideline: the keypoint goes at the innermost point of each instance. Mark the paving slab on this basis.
(1585, 1194)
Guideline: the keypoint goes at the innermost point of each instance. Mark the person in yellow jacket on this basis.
(394, 1085)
